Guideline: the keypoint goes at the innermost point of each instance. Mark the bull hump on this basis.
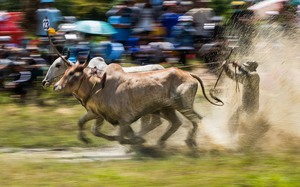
(114, 68)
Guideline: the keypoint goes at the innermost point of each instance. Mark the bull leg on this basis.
(96, 130)
(175, 123)
(195, 118)
(155, 121)
(81, 122)
(126, 131)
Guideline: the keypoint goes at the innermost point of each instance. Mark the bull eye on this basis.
(71, 73)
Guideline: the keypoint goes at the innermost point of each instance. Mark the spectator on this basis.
(123, 20)
(183, 32)
(47, 10)
(145, 24)
(169, 18)
(146, 19)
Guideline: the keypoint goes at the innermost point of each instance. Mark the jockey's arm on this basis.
(234, 75)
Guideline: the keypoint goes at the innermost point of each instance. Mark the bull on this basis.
(60, 65)
(121, 98)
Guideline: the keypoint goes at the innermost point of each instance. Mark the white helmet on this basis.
(250, 65)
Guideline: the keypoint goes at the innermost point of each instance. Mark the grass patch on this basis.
(47, 126)
(257, 170)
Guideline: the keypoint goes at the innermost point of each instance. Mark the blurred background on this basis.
(134, 32)
(38, 127)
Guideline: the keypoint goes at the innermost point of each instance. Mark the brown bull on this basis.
(122, 98)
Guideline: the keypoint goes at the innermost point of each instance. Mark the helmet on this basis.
(250, 65)
(51, 31)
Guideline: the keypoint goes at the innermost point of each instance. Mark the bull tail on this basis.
(218, 102)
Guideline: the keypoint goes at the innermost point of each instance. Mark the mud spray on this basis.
(276, 126)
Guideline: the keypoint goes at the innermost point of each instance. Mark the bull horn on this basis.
(86, 63)
(68, 63)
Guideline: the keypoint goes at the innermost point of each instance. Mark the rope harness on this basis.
(53, 79)
(84, 100)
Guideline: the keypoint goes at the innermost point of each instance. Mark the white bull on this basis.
(58, 68)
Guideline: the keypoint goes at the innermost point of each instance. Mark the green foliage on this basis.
(48, 126)
(221, 7)
(11, 5)
(84, 9)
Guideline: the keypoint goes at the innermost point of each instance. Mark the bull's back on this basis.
(128, 96)
(158, 88)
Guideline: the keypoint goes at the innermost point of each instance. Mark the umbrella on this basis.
(94, 27)
(295, 2)
(47, 1)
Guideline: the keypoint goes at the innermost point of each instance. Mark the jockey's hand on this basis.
(234, 64)
(224, 63)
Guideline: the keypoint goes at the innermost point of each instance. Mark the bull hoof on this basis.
(125, 141)
(134, 141)
(191, 143)
(161, 144)
(138, 140)
(84, 139)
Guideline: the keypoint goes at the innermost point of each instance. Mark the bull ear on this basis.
(86, 63)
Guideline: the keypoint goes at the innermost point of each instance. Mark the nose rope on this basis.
(75, 93)
(55, 77)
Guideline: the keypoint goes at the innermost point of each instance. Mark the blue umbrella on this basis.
(295, 2)
(47, 1)
(94, 27)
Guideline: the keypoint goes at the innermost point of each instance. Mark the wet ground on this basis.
(73, 154)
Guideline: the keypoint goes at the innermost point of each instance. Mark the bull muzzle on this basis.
(45, 83)
(57, 88)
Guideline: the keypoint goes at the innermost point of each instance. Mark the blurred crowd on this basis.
(156, 30)
(146, 32)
